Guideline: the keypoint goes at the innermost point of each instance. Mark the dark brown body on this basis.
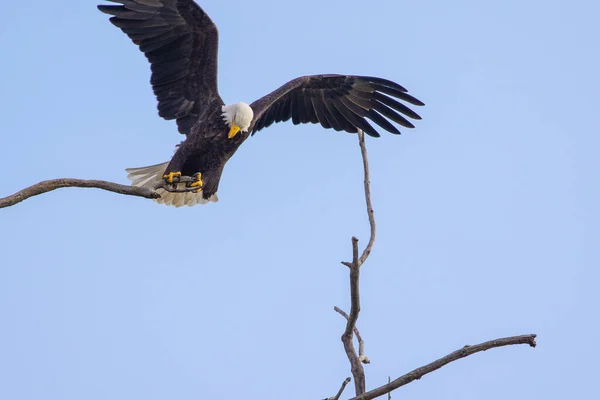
(207, 149)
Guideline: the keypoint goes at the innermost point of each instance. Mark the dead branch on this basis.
(357, 369)
(339, 393)
(50, 185)
(361, 344)
(390, 393)
(367, 183)
(457, 355)
(351, 329)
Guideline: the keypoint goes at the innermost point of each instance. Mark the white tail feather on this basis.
(148, 176)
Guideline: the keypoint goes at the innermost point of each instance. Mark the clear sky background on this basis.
(488, 217)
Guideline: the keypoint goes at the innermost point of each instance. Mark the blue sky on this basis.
(487, 212)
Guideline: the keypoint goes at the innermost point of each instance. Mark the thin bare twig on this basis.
(367, 182)
(457, 355)
(361, 344)
(50, 185)
(339, 393)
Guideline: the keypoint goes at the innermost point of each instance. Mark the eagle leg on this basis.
(172, 177)
(197, 183)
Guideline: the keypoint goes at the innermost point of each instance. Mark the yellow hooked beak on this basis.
(234, 130)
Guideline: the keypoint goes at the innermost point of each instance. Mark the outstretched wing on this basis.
(341, 102)
(181, 43)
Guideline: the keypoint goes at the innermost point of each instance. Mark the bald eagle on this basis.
(181, 43)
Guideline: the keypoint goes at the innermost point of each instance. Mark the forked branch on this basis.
(351, 330)
(457, 355)
(361, 344)
(355, 359)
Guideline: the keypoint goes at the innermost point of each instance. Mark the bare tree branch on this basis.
(367, 182)
(339, 393)
(361, 344)
(354, 290)
(47, 186)
(351, 329)
(457, 355)
(389, 393)
(357, 369)
(50, 185)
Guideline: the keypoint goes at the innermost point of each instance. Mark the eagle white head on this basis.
(238, 117)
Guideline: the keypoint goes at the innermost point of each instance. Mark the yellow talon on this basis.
(197, 183)
(170, 177)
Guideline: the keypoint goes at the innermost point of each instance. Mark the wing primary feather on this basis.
(384, 82)
(398, 94)
(134, 23)
(410, 99)
(362, 93)
(124, 13)
(363, 102)
(357, 121)
(396, 105)
(156, 3)
(369, 130)
(355, 108)
(393, 115)
(137, 34)
(354, 120)
(382, 122)
(132, 5)
(388, 90)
